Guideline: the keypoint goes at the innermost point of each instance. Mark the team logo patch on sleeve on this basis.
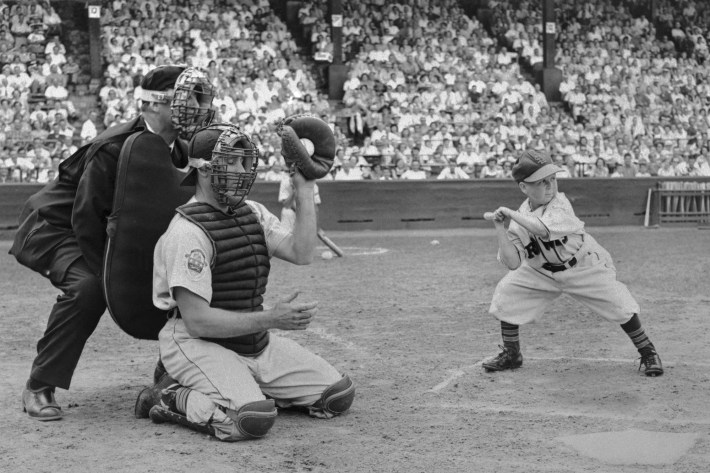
(195, 263)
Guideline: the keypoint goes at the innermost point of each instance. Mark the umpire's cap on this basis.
(158, 84)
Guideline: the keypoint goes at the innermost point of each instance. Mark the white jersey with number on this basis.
(566, 233)
(523, 294)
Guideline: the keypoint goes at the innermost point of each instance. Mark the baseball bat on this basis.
(329, 243)
(647, 216)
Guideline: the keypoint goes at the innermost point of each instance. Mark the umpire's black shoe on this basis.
(508, 359)
(40, 405)
(651, 363)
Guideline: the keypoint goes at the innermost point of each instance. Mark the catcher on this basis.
(549, 253)
(226, 373)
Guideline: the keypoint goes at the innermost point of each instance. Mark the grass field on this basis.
(408, 321)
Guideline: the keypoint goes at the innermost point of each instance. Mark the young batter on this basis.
(549, 253)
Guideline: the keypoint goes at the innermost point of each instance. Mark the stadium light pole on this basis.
(549, 77)
(337, 71)
(93, 10)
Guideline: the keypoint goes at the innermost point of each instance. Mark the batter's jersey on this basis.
(184, 254)
(566, 233)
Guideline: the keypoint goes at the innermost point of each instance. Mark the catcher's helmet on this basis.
(190, 115)
(231, 157)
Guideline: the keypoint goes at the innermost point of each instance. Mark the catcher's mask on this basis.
(231, 157)
(191, 105)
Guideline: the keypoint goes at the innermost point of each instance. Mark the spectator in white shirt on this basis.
(452, 171)
(415, 172)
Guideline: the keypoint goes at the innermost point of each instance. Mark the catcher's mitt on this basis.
(292, 129)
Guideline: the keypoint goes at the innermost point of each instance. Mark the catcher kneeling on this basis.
(225, 372)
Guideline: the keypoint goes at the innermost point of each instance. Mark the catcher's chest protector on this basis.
(240, 267)
(147, 193)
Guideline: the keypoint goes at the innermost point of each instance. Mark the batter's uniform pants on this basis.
(523, 295)
(222, 379)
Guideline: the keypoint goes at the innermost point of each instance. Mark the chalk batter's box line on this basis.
(547, 413)
(457, 373)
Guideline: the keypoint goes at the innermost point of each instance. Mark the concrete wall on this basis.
(387, 205)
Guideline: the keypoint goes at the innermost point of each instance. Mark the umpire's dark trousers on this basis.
(73, 319)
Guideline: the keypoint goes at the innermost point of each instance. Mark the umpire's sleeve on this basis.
(93, 204)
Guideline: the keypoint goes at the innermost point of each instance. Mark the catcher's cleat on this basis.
(507, 359)
(162, 393)
(651, 363)
(159, 372)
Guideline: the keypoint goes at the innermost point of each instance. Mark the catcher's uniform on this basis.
(570, 261)
(220, 377)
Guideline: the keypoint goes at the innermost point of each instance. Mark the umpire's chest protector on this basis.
(240, 267)
(147, 192)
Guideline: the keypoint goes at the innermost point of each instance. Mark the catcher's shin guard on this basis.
(162, 393)
(254, 419)
(160, 415)
(337, 398)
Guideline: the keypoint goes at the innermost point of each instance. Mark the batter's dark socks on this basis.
(511, 335)
(637, 335)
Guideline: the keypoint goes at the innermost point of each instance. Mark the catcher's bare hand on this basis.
(290, 315)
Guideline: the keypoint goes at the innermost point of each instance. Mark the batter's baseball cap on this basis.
(534, 165)
(158, 84)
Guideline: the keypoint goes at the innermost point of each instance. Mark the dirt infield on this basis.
(410, 326)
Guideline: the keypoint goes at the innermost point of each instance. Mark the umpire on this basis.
(63, 233)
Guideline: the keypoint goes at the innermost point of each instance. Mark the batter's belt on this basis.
(570, 263)
(556, 268)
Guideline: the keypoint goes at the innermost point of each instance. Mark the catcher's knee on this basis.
(251, 421)
(338, 397)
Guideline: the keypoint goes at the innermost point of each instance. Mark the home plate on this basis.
(633, 447)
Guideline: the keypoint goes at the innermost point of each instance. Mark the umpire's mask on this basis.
(191, 105)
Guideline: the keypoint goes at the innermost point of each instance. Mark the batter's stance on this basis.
(225, 372)
(549, 253)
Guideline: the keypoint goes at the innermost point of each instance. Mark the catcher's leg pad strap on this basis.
(316, 130)
(337, 398)
(161, 415)
(254, 419)
(161, 393)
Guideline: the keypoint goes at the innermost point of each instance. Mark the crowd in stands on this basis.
(35, 110)
(432, 93)
(636, 89)
(248, 52)
(429, 84)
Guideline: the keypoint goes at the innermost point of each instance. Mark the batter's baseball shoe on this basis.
(508, 359)
(39, 404)
(651, 363)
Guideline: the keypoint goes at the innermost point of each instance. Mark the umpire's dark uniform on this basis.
(62, 236)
